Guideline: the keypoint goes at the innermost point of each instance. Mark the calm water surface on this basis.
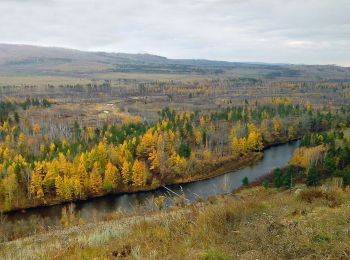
(277, 156)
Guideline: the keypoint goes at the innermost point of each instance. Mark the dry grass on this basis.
(255, 223)
(43, 80)
(40, 80)
(88, 114)
(347, 133)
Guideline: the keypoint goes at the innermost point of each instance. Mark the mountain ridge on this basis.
(22, 59)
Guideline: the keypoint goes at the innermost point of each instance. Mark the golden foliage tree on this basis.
(10, 187)
(96, 179)
(111, 177)
(254, 139)
(36, 129)
(306, 156)
(178, 163)
(36, 183)
(140, 173)
(126, 172)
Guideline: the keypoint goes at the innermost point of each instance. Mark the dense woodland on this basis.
(38, 167)
(321, 156)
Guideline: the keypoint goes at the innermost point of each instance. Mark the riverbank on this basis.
(213, 170)
(227, 164)
(41, 219)
(222, 167)
(241, 225)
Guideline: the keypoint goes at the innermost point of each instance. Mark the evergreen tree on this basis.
(184, 150)
(288, 177)
(265, 184)
(245, 181)
(312, 176)
(16, 117)
(346, 177)
(277, 180)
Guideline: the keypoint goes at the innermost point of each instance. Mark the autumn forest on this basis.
(38, 168)
(84, 155)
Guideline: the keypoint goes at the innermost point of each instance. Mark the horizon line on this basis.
(171, 58)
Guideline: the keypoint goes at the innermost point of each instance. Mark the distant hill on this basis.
(53, 61)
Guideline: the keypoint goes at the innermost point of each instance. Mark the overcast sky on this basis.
(287, 31)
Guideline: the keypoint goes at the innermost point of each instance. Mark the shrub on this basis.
(277, 179)
(333, 198)
(245, 181)
(346, 177)
(312, 178)
(288, 177)
(184, 150)
(265, 184)
(159, 202)
(214, 255)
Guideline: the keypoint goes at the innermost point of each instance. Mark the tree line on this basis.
(321, 156)
(36, 169)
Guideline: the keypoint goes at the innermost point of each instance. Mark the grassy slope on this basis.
(254, 223)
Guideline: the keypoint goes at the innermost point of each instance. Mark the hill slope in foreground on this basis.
(255, 223)
(26, 60)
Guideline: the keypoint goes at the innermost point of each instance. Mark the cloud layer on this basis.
(293, 31)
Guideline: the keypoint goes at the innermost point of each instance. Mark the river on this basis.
(276, 156)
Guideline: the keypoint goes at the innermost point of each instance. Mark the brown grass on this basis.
(255, 223)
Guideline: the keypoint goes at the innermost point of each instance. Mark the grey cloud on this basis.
(297, 31)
